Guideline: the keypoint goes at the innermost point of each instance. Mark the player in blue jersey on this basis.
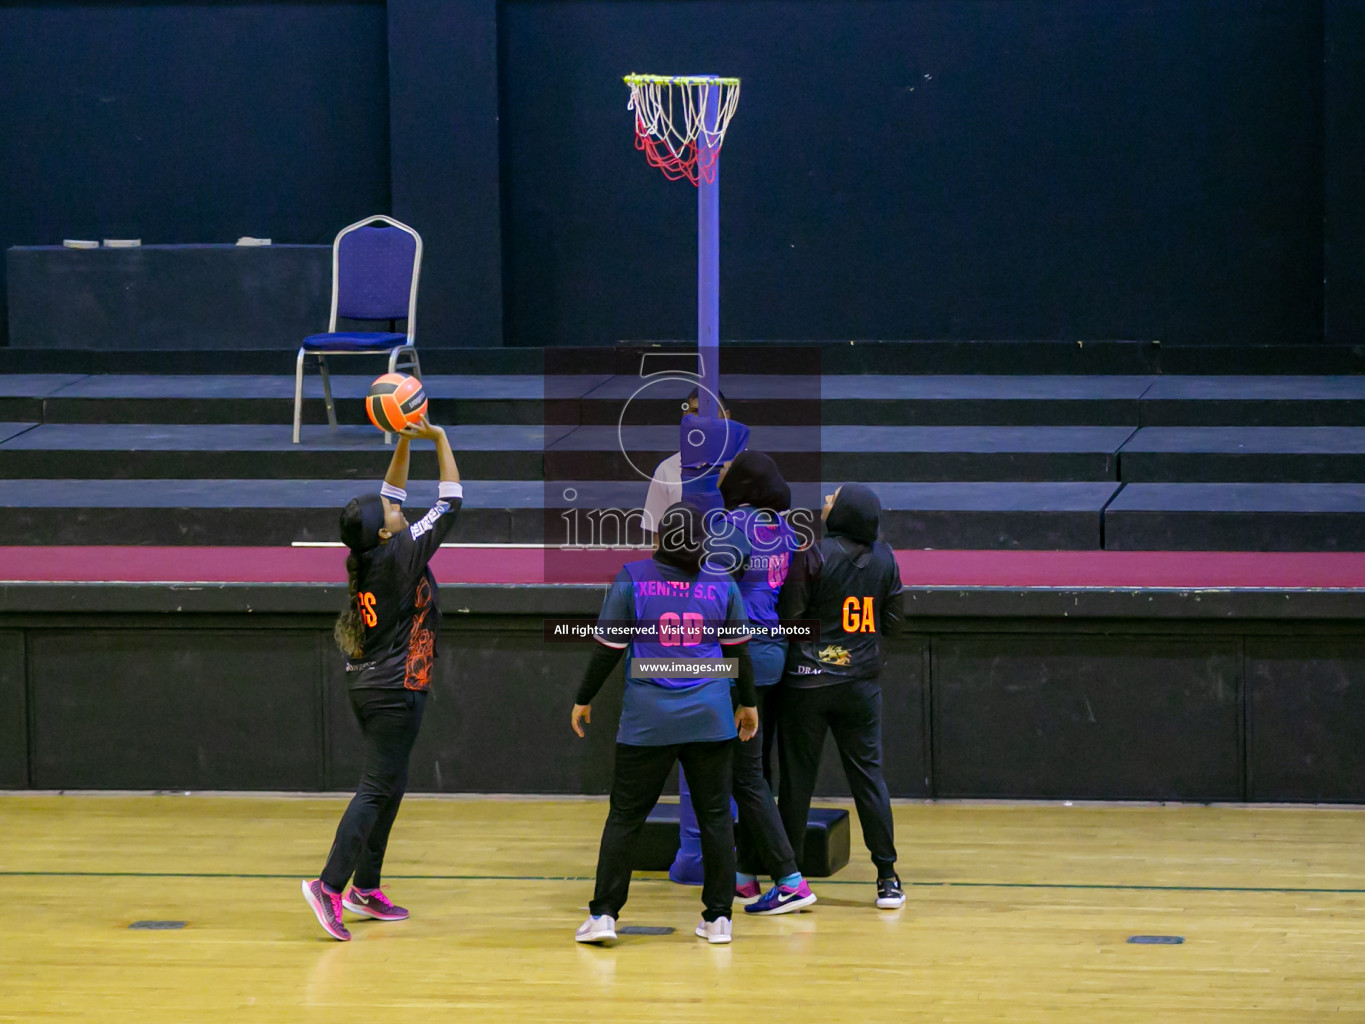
(755, 496)
(695, 615)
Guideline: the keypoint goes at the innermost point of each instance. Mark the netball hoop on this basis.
(680, 123)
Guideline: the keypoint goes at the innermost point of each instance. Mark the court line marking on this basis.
(819, 881)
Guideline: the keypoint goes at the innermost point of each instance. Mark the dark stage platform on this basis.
(962, 461)
(886, 399)
(872, 453)
(1014, 357)
(77, 511)
(1281, 401)
(1237, 516)
(1245, 454)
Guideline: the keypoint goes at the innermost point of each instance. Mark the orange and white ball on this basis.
(395, 402)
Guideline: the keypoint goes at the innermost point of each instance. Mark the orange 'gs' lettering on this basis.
(858, 615)
(367, 609)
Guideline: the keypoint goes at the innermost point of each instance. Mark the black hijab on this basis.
(361, 521)
(856, 514)
(682, 535)
(754, 479)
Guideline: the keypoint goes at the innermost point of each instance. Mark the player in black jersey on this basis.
(851, 583)
(388, 633)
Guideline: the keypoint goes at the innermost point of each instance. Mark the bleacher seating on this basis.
(1043, 462)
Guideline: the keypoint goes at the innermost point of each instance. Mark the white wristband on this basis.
(451, 489)
(393, 493)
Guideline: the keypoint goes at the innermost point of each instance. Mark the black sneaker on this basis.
(890, 895)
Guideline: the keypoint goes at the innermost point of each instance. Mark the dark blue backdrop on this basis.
(1344, 208)
(898, 168)
(967, 169)
(192, 122)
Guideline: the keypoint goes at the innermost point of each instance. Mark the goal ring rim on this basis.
(638, 79)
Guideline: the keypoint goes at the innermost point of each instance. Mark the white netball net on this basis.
(680, 121)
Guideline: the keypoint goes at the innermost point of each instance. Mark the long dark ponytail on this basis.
(349, 631)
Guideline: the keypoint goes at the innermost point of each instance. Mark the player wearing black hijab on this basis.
(388, 633)
(851, 583)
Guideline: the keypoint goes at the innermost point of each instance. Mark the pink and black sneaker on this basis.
(747, 892)
(373, 903)
(783, 899)
(326, 906)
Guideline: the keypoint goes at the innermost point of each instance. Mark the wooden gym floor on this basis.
(1015, 913)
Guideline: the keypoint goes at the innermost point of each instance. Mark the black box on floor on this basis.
(827, 841)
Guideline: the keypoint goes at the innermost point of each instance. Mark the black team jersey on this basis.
(398, 606)
(853, 586)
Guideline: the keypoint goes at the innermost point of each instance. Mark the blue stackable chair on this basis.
(375, 266)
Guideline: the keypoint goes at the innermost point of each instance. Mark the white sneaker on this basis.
(716, 932)
(597, 929)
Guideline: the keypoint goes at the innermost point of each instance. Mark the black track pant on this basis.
(769, 704)
(853, 713)
(389, 720)
(638, 780)
(760, 836)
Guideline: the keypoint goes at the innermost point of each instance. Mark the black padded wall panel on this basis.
(13, 712)
(1102, 717)
(496, 720)
(175, 709)
(905, 758)
(1049, 710)
(1306, 719)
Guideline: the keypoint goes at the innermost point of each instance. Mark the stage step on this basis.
(886, 400)
(9, 430)
(1012, 357)
(844, 357)
(1254, 402)
(560, 453)
(1236, 517)
(868, 453)
(95, 451)
(966, 515)
(1050, 516)
(984, 400)
(266, 399)
(234, 512)
(585, 398)
(1244, 455)
(891, 400)
(1028, 515)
